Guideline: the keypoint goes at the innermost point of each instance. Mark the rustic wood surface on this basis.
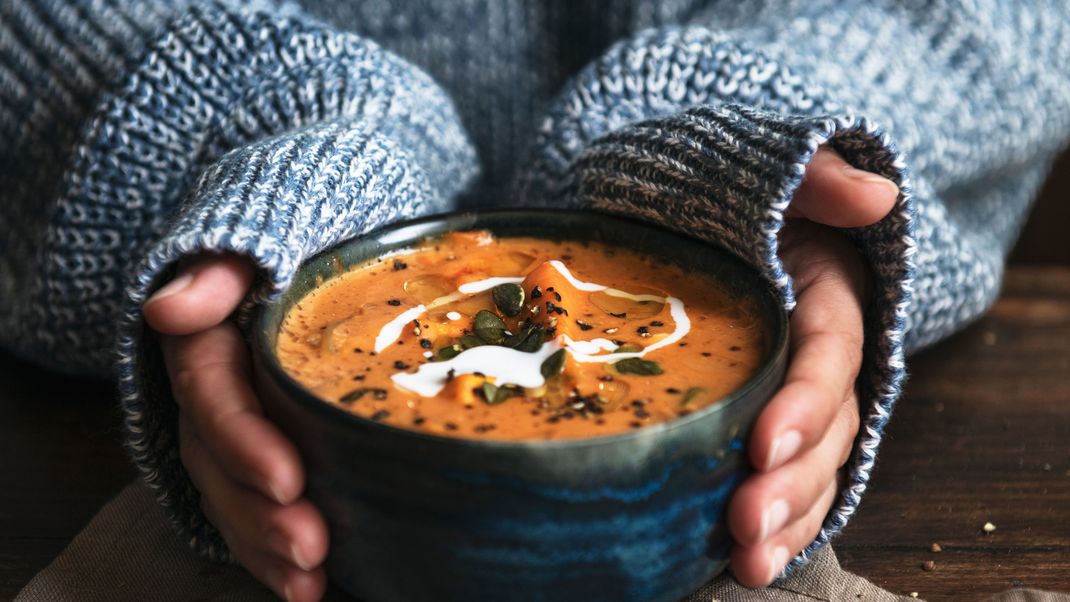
(980, 436)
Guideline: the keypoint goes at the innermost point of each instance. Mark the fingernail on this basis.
(276, 492)
(776, 563)
(287, 549)
(299, 558)
(175, 286)
(870, 178)
(783, 449)
(275, 578)
(773, 519)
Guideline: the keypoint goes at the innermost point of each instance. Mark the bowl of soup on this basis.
(522, 404)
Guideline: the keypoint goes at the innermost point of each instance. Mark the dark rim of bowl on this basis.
(775, 357)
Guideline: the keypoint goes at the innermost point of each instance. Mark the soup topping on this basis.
(515, 338)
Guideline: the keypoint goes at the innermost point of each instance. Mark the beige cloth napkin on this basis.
(129, 553)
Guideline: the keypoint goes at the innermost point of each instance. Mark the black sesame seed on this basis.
(450, 426)
(557, 296)
(583, 325)
(450, 374)
(394, 302)
(635, 424)
(706, 354)
(657, 323)
(553, 420)
(358, 350)
(419, 420)
(400, 365)
(379, 415)
(379, 394)
(400, 265)
(672, 390)
(735, 348)
(425, 343)
(535, 292)
(642, 330)
(641, 413)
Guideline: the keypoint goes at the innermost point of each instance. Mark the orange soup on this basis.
(469, 335)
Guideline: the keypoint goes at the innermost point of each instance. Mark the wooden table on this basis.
(980, 436)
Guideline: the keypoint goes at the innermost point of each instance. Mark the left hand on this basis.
(806, 433)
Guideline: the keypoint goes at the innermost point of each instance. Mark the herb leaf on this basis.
(489, 327)
(628, 348)
(553, 365)
(636, 365)
(509, 298)
(690, 396)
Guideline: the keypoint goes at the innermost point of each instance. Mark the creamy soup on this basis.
(469, 335)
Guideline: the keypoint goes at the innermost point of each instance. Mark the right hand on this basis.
(248, 473)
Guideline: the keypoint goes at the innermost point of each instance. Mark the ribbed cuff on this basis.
(271, 138)
(726, 174)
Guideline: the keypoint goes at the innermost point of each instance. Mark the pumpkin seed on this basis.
(509, 298)
(494, 394)
(529, 340)
(690, 396)
(489, 327)
(635, 365)
(470, 340)
(448, 352)
(553, 365)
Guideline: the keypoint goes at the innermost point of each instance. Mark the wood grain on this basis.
(980, 436)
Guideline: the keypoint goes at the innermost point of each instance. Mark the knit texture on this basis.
(142, 132)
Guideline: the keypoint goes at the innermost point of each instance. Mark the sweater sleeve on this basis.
(707, 127)
(221, 128)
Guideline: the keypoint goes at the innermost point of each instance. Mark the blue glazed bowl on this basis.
(413, 516)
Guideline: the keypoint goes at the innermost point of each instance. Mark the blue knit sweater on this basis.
(135, 133)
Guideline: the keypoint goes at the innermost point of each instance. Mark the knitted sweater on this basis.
(139, 132)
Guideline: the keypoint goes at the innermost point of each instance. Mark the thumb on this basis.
(836, 194)
(202, 294)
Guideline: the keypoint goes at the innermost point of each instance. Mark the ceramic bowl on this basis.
(414, 516)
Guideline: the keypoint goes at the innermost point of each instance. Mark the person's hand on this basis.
(249, 475)
(806, 433)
